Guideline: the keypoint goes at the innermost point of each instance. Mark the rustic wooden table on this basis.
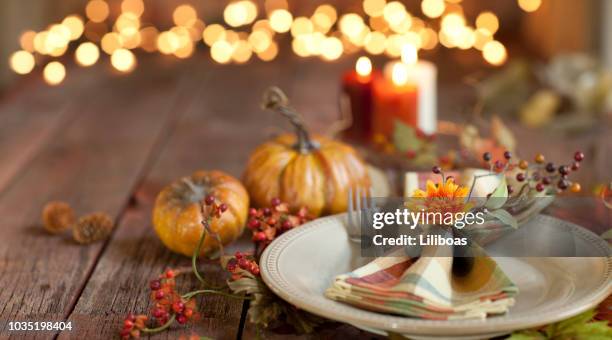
(105, 142)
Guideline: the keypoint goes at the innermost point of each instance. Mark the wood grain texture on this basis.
(126, 137)
(30, 118)
(217, 132)
(93, 164)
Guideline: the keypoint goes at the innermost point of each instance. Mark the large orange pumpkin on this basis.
(314, 173)
(177, 213)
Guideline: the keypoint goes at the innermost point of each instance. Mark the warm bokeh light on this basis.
(280, 20)
(374, 8)
(363, 66)
(270, 53)
(242, 52)
(301, 25)
(529, 5)
(110, 42)
(75, 25)
(487, 21)
(213, 33)
(433, 8)
(259, 41)
(168, 42)
(135, 7)
(351, 25)
(240, 13)
(123, 60)
(375, 43)
(399, 74)
(429, 38)
(184, 15)
(26, 40)
(394, 13)
(481, 37)
(494, 52)
(54, 73)
(87, 54)
(331, 48)
(97, 10)
(409, 54)
(22, 62)
(221, 51)
(452, 24)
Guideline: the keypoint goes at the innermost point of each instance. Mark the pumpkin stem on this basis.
(274, 99)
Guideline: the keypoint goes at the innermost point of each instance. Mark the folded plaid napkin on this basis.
(427, 287)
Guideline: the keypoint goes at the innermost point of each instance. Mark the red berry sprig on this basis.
(270, 222)
(168, 304)
(538, 176)
(242, 263)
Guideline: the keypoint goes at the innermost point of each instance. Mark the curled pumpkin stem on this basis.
(275, 100)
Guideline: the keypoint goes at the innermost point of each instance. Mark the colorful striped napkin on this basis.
(428, 287)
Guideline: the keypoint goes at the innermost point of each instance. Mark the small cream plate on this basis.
(302, 263)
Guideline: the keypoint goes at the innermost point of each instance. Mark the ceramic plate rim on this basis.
(275, 281)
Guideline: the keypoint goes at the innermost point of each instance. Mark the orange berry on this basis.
(523, 164)
(575, 187)
(539, 158)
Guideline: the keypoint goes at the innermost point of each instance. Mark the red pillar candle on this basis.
(356, 99)
(394, 99)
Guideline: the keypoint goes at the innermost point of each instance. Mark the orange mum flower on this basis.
(448, 190)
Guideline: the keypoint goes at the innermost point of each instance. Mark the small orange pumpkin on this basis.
(177, 213)
(313, 173)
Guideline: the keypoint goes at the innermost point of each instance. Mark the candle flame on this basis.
(363, 66)
(399, 74)
(409, 54)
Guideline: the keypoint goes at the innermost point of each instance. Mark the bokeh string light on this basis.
(382, 27)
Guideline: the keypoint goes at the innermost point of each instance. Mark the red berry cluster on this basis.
(270, 222)
(241, 263)
(168, 301)
(132, 325)
(539, 175)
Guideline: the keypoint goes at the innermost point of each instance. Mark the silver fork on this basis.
(360, 204)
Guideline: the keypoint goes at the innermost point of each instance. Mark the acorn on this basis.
(93, 227)
(57, 216)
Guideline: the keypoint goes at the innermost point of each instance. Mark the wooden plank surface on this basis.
(93, 164)
(125, 138)
(31, 117)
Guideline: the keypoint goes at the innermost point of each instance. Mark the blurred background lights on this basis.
(22, 62)
(280, 20)
(494, 52)
(123, 60)
(212, 33)
(487, 21)
(221, 51)
(75, 25)
(184, 15)
(87, 54)
(54, 73)
(433, 8)
(529, 5)
(97, 10)
(26, 40)
(379, 27)
(374, 8)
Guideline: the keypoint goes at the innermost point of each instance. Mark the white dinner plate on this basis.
(302, 263)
